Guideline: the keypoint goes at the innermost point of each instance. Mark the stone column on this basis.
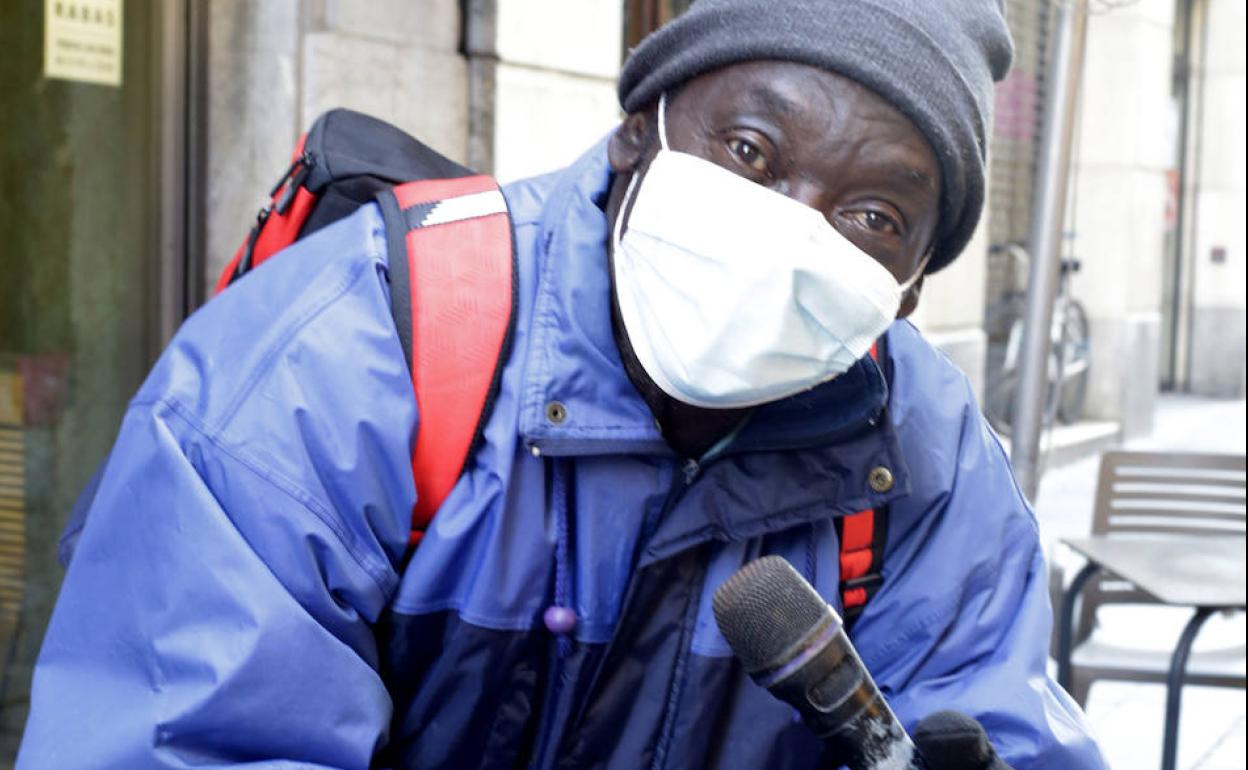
(1217, 246)
(1118, 206)
(252, 112)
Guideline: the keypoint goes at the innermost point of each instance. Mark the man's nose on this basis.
(807, 193)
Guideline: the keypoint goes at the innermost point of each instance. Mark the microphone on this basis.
(793, 644)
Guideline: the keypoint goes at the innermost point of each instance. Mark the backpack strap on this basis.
(862, 537)
(452, 289)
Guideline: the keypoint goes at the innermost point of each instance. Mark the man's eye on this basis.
(875, 222)
(749, 154)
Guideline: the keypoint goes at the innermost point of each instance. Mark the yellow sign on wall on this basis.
(82, 40)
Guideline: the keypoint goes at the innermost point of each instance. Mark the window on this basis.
(641, 17)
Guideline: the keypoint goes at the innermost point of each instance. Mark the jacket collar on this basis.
(572, 358)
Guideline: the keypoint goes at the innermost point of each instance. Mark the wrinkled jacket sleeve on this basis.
(218, 607)
(964, 619)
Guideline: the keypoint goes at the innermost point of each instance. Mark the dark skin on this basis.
(806, 133)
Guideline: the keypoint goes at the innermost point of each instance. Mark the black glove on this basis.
(950, 740)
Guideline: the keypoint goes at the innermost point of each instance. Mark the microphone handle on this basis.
(840, 703)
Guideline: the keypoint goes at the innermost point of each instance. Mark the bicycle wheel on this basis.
(1002, 379)
(999, 403)
(1076, 360)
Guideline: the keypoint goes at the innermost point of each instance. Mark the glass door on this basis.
(82, 287)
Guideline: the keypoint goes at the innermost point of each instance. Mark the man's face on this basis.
(816, 137)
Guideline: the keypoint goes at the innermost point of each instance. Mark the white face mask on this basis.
(734, 295)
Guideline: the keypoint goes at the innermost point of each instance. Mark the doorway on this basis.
(94, 259)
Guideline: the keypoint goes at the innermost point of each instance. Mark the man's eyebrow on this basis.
(771, 100)
(908, 175)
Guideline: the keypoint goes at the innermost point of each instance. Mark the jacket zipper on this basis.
(688, 474)
(682, 479)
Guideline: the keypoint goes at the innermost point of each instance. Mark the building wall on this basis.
(557, 66)
(1118, 212)
(274, 65)
(1217, 246)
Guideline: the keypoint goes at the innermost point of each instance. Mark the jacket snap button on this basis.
(880, 479)
(556, 412)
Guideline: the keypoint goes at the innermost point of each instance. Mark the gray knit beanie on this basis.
(934, 60)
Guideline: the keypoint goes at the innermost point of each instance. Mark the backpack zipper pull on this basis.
(290, 170)
(293, 179)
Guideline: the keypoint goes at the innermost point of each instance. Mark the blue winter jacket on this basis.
(238, 595)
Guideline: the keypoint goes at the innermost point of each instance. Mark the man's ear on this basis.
(628, 143)
(910, 301)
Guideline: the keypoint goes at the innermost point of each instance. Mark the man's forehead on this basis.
(791, 90)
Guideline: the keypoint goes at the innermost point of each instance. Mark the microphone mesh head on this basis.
(765, 609)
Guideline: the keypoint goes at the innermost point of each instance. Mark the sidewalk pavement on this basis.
(1126, 718)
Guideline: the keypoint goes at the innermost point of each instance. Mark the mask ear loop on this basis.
(625, 206)
(912, 280)
(663, 121)
(630, 193)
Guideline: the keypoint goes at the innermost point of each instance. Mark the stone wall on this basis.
(555, 64)
(274, 65)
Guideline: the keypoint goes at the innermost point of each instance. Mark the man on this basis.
(689, 388)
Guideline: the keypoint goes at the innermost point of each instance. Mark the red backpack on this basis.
(452, 272)
(452, 280)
